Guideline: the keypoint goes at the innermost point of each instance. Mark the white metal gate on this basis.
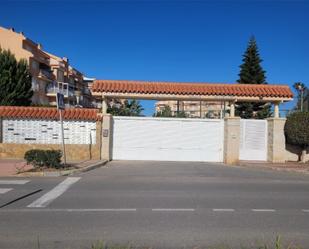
(167, 139)
(253, 140)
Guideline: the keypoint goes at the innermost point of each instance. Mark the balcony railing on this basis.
(60, 87)
(45, 73)
(86, 91)
(61, 64)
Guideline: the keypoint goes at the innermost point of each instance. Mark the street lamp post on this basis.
(302, 99)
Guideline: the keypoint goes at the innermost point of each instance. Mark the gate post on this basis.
(107, 137)
(276, 140)
(231, 140)
(1, 130)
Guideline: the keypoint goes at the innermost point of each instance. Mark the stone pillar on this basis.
(232, 109)
(276, 110)
(98, 146)
(104, 105)
(107, 137)
(231, 140)
(276, 140)
(1, 131)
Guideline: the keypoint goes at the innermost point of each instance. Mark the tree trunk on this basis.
(303, 155)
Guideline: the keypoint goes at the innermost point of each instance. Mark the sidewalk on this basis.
(10, 167)
(18, 167)
(288, 166)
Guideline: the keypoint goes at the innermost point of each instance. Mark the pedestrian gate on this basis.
(253, 140)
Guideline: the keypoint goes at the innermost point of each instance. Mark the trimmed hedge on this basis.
(44, 158)
(297, 129)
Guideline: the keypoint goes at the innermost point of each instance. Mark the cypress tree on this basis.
(15, 80)
(251, 72)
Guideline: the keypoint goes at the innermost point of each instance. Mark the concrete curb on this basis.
(87, 168)
(273, 168)
(63, 172)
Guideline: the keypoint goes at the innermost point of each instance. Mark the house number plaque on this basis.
(105, 132)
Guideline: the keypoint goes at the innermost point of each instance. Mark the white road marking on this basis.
(71, 210)
(47, 198)
(103, 210)
(173, 209)
(13, 182)
(5, 190)
(90, 210)
(263, 210)
(223, 210)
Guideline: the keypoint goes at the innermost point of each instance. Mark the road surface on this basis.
(156, 204)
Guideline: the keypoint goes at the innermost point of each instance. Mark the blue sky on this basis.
(168, 40)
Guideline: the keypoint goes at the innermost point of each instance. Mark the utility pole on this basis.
(60, 107)
(62, 136)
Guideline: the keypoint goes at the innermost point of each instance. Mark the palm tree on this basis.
(133, 108)
(125, 108)
(164, 112)
(300, 89)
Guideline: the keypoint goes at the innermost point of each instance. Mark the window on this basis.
(60, 75)
(35, 84)
(35, 65)
(29, 48)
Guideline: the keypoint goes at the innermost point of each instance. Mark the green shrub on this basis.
(35, 157)
(53, 158)
(43, 158)
(296, 130)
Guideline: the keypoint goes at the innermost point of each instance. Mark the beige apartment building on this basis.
(195, 109)
(50, 73)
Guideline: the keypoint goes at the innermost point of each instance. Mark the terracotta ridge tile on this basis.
(47, 113)
(191, 88)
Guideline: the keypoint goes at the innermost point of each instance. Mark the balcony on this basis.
(60, 87)
(86, 91)
(61, 64)
(45, 74)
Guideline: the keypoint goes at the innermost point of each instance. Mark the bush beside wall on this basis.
(44, 158)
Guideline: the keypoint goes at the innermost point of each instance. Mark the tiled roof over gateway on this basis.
(48, 113)
(178, 88)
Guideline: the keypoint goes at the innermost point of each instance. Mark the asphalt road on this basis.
(156, 204)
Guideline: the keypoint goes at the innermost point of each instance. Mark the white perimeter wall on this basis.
(26, 131)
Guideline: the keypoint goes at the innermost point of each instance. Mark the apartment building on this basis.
(50, 73)
(195, 109)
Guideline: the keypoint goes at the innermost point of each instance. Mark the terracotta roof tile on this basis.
(149, 87)
(48, 113)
